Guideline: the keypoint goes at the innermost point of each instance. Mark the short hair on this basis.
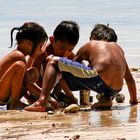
(103, 32)
(30, 31)
(67, 31)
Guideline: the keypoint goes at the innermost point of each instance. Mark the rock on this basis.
(76, 137)
(119, 98)
(134, 69)
(98, 96)
(73, 108)
(50, 112)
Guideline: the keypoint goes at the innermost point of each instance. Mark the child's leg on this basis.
(11, 84)
(33, 73)
(33, 77)
(49, 80)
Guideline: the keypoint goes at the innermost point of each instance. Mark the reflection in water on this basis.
(114, 123)
(133, 114)
(115, 117)
(107, 118)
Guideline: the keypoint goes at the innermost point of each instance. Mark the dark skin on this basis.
(105, 57)
(56, 48)
(109, 61)
(13, 72)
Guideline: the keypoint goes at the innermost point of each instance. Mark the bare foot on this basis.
(37, 107)
(103, 103)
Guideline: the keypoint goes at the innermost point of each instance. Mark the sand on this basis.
(120, 123)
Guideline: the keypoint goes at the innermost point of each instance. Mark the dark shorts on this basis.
(79, 76)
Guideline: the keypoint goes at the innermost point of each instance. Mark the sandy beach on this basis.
(122, 122)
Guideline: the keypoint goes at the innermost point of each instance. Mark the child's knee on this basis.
(20, 64)
(33, 73)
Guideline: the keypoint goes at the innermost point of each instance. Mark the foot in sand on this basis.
(37, 107)
(103, 103)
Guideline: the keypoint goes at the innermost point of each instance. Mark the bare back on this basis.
(107, 58)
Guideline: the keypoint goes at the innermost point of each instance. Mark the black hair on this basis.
(30, 31)
(103, 32)
(67, 31)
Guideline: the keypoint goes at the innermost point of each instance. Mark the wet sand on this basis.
(120, 123)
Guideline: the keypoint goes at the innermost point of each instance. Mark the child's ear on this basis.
(51, 39)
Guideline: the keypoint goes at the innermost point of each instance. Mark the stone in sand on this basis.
(120, 98)
(73, 108)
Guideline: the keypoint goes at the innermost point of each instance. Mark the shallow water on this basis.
(120, 122)
(123, 16)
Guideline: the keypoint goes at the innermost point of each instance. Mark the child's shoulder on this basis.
(17, 55)
(71, 55)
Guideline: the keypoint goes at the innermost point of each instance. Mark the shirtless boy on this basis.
(105, 73)
(30, 38)
(103, 32)
(64, 39)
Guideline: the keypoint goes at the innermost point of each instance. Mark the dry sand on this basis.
(120, 123)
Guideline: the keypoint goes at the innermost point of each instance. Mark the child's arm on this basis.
(131, 86)
(68, 91)
(32, 87)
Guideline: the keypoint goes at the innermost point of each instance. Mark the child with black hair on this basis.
(103, 32)
(63, 41)
(30, 38)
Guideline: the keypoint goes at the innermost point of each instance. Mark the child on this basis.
(108, 68)
(103, 32)
(13, 69)
(65, 35)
